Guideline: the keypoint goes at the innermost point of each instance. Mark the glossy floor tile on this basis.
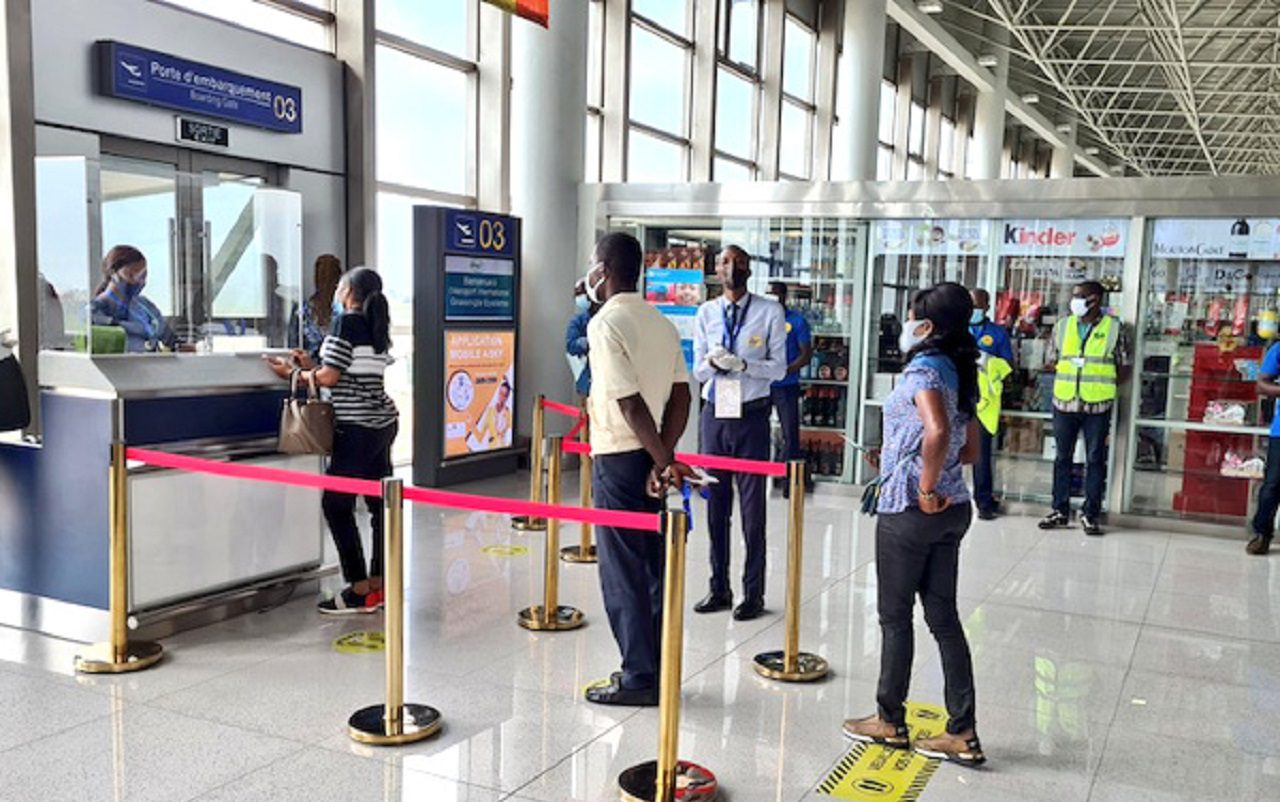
(1137, 666)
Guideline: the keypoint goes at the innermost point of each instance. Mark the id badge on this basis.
(728, 398)
(1078, 361)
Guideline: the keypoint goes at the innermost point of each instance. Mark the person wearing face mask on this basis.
(1090, 354)
(119, 301)
(639, 405)
(576, 345)
(930, 433)
(785, 392)
(739, 351)
(994, 366)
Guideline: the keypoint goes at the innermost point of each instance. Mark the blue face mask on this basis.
(583, 303)
(977, 317)
(129, 291)
(338, 308)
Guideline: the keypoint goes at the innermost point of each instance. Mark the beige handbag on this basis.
(306, 424)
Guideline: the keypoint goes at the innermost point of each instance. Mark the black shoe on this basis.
(1261, 544)
(749, 609)
(1090, 525)
(714, 603)
(623, 697)
(987, 515)
(1054, 520)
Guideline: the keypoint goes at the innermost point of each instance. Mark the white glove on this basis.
(722, 360)
(6, 344)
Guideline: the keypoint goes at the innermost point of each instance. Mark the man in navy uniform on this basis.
(786, 391)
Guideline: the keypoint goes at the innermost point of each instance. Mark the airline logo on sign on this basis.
(1063, 238)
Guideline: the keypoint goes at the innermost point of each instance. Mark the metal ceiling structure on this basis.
(1162, 87)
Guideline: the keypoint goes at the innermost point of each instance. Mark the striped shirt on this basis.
(360, 397)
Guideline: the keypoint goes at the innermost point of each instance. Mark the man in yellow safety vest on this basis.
(1091, 352)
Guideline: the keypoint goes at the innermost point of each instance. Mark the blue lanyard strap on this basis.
(143, 316)
(731, 332)
(686, 493)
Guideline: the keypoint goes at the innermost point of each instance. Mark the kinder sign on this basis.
(1105, 238)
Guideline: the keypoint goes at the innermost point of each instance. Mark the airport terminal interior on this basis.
(189, 188)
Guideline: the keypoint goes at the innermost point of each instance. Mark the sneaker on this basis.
(875, 730)
(348, 602)
(1054, 520)
(987, 515)
(1090, 525)
(1261, 544)
(963, 750)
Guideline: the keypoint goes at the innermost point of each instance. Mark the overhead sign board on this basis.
(479, 233)
(1090, 237)
(158, 79)
(1223, 238)
(930, 237)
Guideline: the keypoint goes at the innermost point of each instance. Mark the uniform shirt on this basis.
(1121, 357)
(577, 344)
(761, 343)
(360, 397)
(798, 336)
(993, 339)
(1271, 367)
(144, 326)
(634, 349)
(904, 433)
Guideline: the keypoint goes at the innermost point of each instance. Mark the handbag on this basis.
(306, 424)
(871, 493)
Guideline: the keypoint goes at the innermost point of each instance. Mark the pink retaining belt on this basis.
(563, 409)
(647, 522)
(707, 461)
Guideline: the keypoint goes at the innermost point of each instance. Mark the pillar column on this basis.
(988, 125)
(862, 71)
(354, 28)
(548, 136)
(1064, 156)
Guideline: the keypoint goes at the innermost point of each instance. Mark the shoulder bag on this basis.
(871, 493)
(306, 424)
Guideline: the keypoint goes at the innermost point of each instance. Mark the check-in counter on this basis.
(193, 537)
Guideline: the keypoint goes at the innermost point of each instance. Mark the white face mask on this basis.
(911, 336)
(1079, 307)
(593, 290)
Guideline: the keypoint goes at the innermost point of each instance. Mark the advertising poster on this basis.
(478, 288)
(1216, 239)
(677, 293)
(479, 386)
(1097, 237)
(930, 237)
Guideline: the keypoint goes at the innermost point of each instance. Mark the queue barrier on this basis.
(396, 722)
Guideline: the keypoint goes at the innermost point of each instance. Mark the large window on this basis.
(737, 91)
(947, 150)
(799, 49)
(740, 37)
(422, 124)
(311, 26)
(659, 91)
(444, 25)
(915, 142)
(888, 111)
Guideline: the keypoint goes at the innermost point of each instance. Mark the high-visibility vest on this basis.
(992, 371)
(1086, 371)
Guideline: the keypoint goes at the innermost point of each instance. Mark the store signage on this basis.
(1104, 238)
(930, 237)
(476, 288)
(203, 133)
(677, 294)
(146, 76)
(479, 233)
(479, 388)
(1217, 239)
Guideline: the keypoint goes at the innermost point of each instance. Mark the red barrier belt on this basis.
(644, 521)
(577, 428)
(707, 461)
(563, 409)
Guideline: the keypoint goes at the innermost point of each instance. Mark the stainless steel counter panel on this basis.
(126, 375)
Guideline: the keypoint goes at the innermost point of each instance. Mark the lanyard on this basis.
(730, 339)
(686, 492)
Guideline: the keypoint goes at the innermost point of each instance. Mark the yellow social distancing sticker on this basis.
(360, 643)
(505, 551)
(875, 773)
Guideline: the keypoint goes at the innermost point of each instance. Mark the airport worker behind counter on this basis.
(994, 366)
(119, 301)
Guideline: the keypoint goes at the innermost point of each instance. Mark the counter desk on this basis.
(194, 538)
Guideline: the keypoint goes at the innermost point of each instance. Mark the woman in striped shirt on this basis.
(353, 359)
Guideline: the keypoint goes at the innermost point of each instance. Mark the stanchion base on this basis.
(573, 554)
(523, 523)
(693, 783)
(368, 726)
(564, 618)
(100, 659)
(809, 667)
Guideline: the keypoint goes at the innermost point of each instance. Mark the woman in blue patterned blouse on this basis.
(317, 312)
(930, 433)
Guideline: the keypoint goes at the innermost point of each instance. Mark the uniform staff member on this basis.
(1264, 520)
(119, 301)
(993, 368)
(639, 406)
(1091, 350)
(786, 391)
(739, 350)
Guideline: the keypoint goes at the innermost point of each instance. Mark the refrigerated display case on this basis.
(1207, 315)
(907, 255)
(1038, 262)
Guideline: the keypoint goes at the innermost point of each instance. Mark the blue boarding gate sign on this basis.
(146, 76)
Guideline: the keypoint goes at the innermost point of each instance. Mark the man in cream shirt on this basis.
(639, 406)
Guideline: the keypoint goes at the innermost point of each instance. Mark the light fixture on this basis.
(929, 6)
(1064, 128)
(1117, 169)
(1091, 151)
(1031, 99)
(989, 60)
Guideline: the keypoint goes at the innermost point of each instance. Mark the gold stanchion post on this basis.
(585, 551)
(119, 655)
(529, 523)
(551, 615)
(791, 664)
(394, 722)
(657, 780)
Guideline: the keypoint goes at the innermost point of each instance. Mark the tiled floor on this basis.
(1138, 666)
